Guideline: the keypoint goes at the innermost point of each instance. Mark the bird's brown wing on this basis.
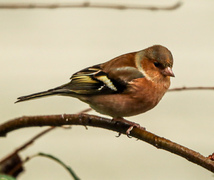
(94, 80)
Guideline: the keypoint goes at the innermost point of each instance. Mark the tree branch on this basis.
(96, 121)
(25, 145)
(85, 5)
(191, 88)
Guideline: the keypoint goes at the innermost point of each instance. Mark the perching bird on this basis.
(127, 85)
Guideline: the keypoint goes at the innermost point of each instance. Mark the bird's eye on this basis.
(157, 64)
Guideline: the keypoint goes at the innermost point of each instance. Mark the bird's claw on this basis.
(128, 131)
(131, 126)
(119, 134)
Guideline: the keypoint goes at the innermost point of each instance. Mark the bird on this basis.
(127, 85)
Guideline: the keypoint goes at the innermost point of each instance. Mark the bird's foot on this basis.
(131, 125)
(82, 113)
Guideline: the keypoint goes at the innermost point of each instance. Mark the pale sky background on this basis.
(41, 49)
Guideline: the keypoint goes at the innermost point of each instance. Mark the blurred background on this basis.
(42, 48)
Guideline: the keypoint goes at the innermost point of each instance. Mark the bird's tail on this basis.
(56, 91)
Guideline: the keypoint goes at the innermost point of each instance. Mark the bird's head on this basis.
(155, 63)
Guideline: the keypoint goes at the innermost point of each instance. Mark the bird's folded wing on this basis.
(94, 80)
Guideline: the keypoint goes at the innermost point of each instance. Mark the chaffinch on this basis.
(127, 85)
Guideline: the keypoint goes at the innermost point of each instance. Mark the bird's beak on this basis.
(168, 72)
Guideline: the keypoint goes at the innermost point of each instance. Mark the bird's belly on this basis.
(121, 106)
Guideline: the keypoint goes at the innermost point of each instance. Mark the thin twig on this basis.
(96, 121)
(68, 168)
(31, 141)
(191, 88)
(85, 5)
